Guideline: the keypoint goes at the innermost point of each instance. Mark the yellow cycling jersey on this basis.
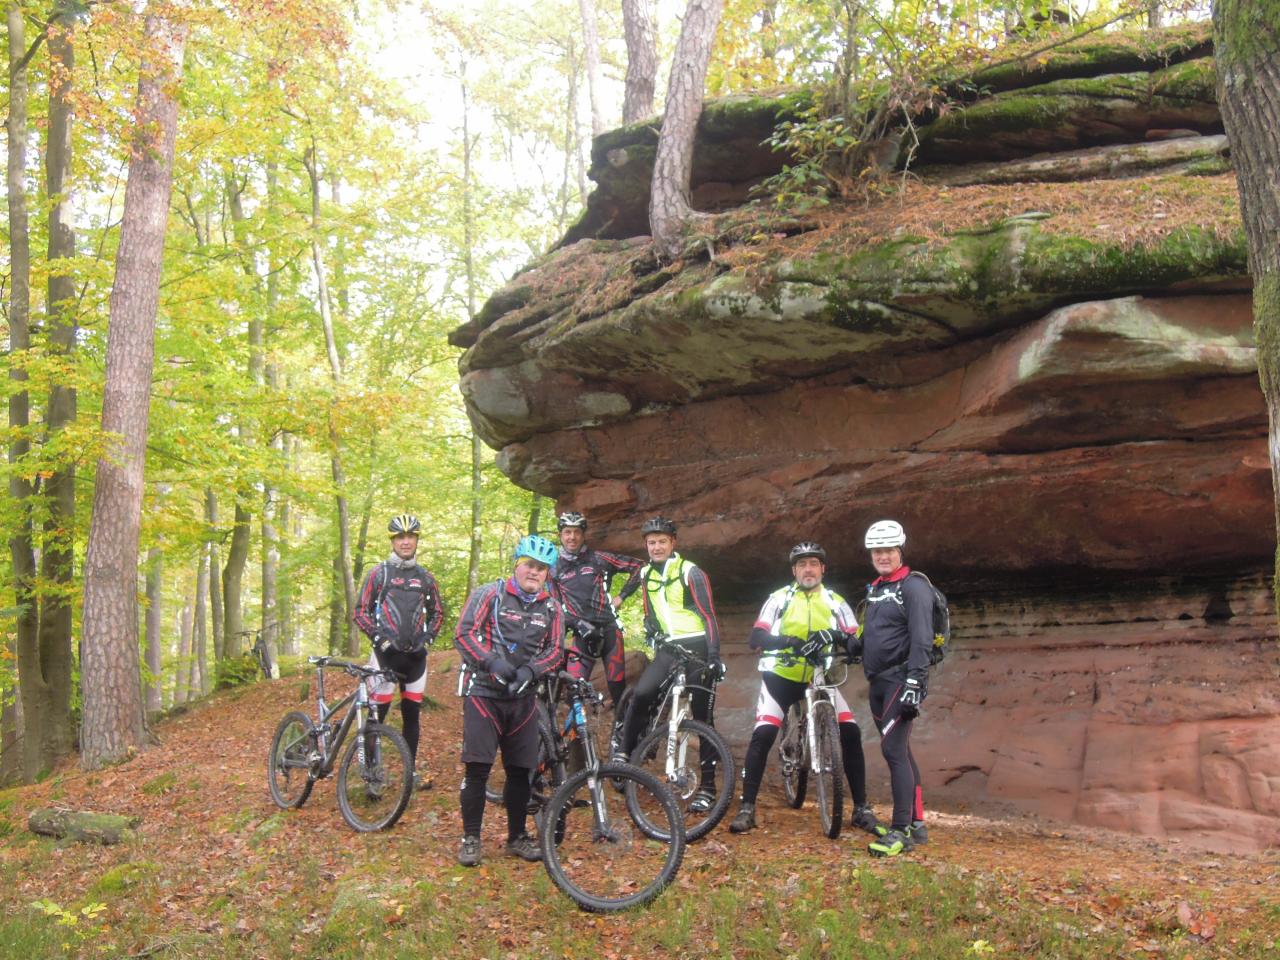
(793, 612)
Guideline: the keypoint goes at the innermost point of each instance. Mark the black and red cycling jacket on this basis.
(414, 577)
(583, 582)
(498, 622)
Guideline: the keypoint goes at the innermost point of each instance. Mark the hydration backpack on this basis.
(402, 606)
(941, 620)
(941, 617)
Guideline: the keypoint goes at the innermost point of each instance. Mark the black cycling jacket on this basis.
(897, 626)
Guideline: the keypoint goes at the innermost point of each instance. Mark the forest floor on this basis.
(217, 870)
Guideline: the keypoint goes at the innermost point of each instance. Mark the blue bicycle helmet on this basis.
(537, 548)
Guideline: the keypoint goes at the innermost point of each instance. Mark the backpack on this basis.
(941, 621)
(941, 618)
(405, 613)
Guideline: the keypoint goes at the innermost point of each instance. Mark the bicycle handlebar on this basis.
(354, 669)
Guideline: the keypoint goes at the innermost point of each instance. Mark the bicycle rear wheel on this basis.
(289, 776)
(542, 779)
(596, 854)
(830, 778)
(792, 761)
(701, 764)
(373, 791)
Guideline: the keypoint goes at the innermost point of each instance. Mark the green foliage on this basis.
(236, 671)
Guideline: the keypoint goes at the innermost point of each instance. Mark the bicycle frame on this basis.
(817, 695)
(358, 713)
(678, 704)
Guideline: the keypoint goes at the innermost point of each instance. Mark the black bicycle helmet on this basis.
(572, 519)
(807, 548)
(404, 523)
(658, 525)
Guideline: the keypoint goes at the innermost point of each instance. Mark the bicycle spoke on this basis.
(289, 768)
(375, 783)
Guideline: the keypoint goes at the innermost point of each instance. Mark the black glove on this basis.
(913, 694)
(502, 669)
(853, 648)
(812, 646)
(586, 631)
(523, 677)
(716, 670)
(383, 637)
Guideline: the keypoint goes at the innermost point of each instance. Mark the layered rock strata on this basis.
(1042, 363)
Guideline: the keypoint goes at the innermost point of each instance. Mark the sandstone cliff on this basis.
(1037, 355)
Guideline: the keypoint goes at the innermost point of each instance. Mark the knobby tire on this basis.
(792, 756)
(289, 775)
(830, 772)
(651, 755)
(394, 772)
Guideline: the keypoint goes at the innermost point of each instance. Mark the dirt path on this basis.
(215, 857)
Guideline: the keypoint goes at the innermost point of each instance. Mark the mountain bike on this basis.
(605, 853)
(809, 741)
(687, 754)
(375, 776)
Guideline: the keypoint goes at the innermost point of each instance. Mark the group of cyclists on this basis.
(514, 630)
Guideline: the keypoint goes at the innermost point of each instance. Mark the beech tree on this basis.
(669, 208)
(642, 60)
(113, 717)
(1247, 52)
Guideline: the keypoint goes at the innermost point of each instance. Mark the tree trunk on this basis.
(113, 718)
(669, 208)
(1155, 16)
(82, 825)
(155, 613)
(591, 50)
(366, 513)
(52, 735)
(1247, 54)
(233, 583)
(215, 564)
(182, 670)
(25, 643)
(468, 240)
(199, 677)
(535, 513)
(642, 60)
(337, 622)
(335, 371)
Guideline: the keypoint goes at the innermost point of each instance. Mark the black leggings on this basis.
(787, 692)
(515, 797)
(895, 744)
(410, 711)
(646, 696)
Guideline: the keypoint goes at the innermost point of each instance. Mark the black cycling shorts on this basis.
(510, 725)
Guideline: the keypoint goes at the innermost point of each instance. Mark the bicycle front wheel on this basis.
(699, 771)
(596, 854)
(375, 784)
(830, 775)
(289, 776)
(792, 756)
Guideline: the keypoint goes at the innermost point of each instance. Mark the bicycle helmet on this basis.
(572, 519)
(404, 523)
(807, 548)
(885, 533)
(537, 548)
(658, 525)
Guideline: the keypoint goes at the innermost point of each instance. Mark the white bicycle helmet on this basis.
(885, 533)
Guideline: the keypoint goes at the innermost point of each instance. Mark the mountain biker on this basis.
(677, 606)
(897, 635)
(509, 636)
(583, 577)
(400, 610)
(789, 618)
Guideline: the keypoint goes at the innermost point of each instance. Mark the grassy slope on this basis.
(217, 871)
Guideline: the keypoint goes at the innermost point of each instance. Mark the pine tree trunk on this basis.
(154, 619)
(591, 49)
(25, 643)
(669, 208)
(642, 60)
(113, 716)
(1247, 54)
(49, 732)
